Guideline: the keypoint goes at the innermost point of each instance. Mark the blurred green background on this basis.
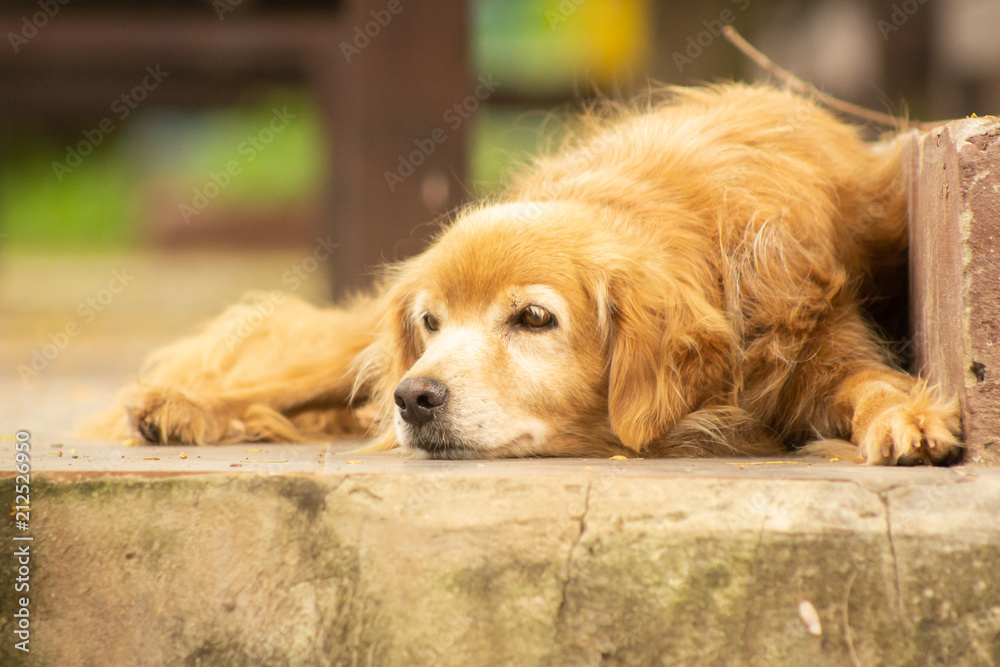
(102, 203)
(118, 197)
(126, 194)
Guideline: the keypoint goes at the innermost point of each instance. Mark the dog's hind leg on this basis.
(270, 368)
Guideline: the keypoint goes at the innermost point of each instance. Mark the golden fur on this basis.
(704, 263)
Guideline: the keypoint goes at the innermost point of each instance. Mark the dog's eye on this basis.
(536, 317)
(430, 322)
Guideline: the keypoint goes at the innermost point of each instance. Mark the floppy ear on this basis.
(399, 334)
(671, 350)
(383, 364)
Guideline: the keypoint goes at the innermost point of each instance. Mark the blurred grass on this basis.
(292, 165)
(100, 203)
(95, 206)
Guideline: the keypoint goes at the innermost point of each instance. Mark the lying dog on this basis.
(686, 279)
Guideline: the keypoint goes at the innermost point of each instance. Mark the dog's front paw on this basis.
(166, 415)
(918, 429)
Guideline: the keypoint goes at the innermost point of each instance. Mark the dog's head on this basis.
(547, 329)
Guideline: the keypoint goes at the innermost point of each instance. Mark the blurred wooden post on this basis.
(385, 84)
(384, 72)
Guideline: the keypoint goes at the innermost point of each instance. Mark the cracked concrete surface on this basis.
(378, 560)
(572, 550)
(892, 550)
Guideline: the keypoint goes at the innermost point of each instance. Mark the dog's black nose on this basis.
(419, 398)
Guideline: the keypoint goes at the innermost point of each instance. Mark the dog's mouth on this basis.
(444, 449)
(435, 441)
(441, 447)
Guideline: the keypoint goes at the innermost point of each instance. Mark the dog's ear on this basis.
(401, 337)
(381, 366)
(670, 350)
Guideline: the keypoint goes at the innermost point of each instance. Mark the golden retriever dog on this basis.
(686, 278)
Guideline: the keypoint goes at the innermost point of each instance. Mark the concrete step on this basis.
(312, 555)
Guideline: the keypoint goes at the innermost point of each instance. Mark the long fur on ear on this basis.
(381, 366)
(671, 352)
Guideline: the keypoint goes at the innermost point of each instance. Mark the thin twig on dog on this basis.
(806, 88)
